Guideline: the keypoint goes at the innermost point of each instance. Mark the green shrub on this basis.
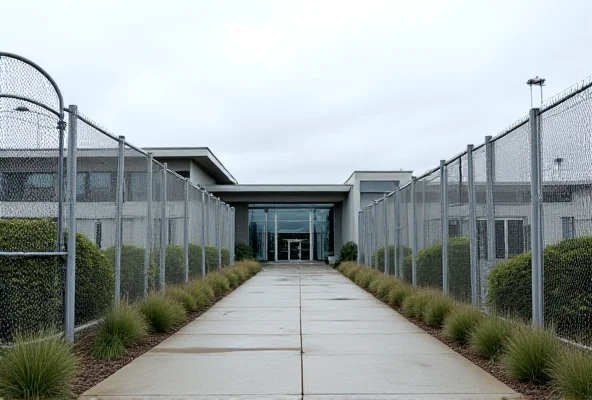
(252, 265)
(567, 287)
(437, 309)
(349, 252)
(414, 304)
(571, 374)
(225, 257)
(459, 324)
(174, 264)
(162, 313)
(39, 366)
(195, 257)
(385, 286)
(121, 327)
(211, 258)
(490, 336)
(233, 279)
(378, 258)
(132, 270)
(242, 272)
(529, 354)
(365, 277)
(31, 287)
(429, 267)
(243, 251)
(350, 269)
(202, 293)
(373, 286)
(397, 295)
(182, 296)
(218, 282)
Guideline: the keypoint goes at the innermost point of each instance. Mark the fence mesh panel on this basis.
(405, 232)
(567, 217)
(429, 222)
(135, 226)
(195, 233)
(512, 209)
(380, 229)
(480, 179)
(175, 246)
(96, 212)
(390, 218)
(157, 223)
(459, 260)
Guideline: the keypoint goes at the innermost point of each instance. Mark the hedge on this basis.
(211, 258)
(31, 288)
(567, 287)
(194, 260)
(378, 256)
(132, 270)
(225, 257)
(349, 252)
(243, 251)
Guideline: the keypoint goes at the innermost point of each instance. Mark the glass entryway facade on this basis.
(291, 232)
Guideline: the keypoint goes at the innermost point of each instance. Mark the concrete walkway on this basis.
(295, 332)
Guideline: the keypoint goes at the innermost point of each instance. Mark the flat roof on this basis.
(279, 188)
(202, 156)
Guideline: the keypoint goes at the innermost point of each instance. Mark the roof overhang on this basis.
(202, 156)
(281, 193)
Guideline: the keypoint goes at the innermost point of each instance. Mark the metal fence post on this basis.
(536, 238)
(375, 234)
(70, 293)
(397, 233)
(359, 238)
(474, 260)
(149, 227)
(163, 228)
(444, 219)
(203, 232)
(366, 236)
(232, 222)
(186, 232)
(217, 216)
(119, 217)
(490, 204)
(413, 232)
(385, 234)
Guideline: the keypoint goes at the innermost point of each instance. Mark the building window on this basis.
(137, 186)
(510, 237)
(567, 228)
(378, 186)
(184, 174)
(98, 234)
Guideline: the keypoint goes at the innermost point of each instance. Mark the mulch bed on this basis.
(92, 370)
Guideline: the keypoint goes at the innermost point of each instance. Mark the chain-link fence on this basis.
(87, 219)
(506, 225)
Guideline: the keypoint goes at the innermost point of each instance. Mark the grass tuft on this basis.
(122, 327)
(162, 313)
(365, 277)
(182, 296)
(242, 272)
(253, 266)
(490, 336)
(571, 373)
(385, 287)
(377, 281)
(218, 282)
(39, 366)
(233, 279)
(437, 309)
(202, 293)
(397, 295)
(459, 324)
(529, 354)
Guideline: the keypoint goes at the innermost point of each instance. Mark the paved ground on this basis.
(295, 332)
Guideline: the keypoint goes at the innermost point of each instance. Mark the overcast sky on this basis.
(304, 91)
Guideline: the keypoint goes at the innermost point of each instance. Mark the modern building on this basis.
(286, 222)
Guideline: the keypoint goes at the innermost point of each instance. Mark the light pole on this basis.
(536, 81)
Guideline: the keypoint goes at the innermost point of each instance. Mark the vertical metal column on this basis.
(414, 232)
(311, 234)
(474, 259)
(444, 219)
(149, 235)
(218, 206)
(70, 293)
(375, 234)
(186, 232)
(163, 227)
(490, 179)
(360, 249)
(119, 217)
(275, 242)
(203, 232)
(398, 268)
(385, 234)
(536, 225)
(265, 237)
(232, 233)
